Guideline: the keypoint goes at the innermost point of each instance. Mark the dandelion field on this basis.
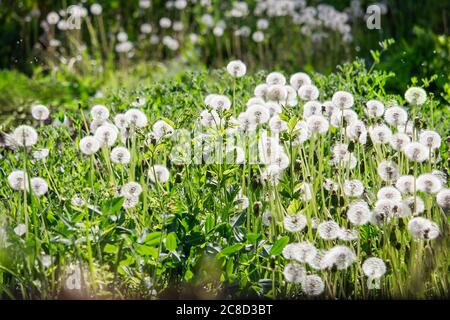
(153, 174)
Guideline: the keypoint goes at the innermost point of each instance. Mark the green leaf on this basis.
(232, 249)
(252, 237)
(279, 245)
(153, 239)
(113, 206)
(109, 248)
(145, 250)
(171, 241)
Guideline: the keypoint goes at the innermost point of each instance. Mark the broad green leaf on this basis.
(279, 245)
(171, 241)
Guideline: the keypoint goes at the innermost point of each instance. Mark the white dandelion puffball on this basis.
(261, 90)
(136, 118)
(311, 108)
(308, 92)
(343, 100)
(399, 140)
(20, 230)
(165, 23)
(340, 256)
(353, 188)
(130, 202)
(328, 230)
(120, 155)
(299, 79)
(430, 139)
(280, 159)
(380, 134)
(275, 78)
(294, 223)
(241, 202)
(77, 201)
(277, 93)
(25, 136)
(96, 9)
(443, 199)
(18, 180)
(53, 18)
(40, 112)
(423, 229)
(374, 267)
(237, 68)
(396, 116)
(415, 151)
(317, 124)
(359, 213)
(429, 183)
(158, 173)
(89, 145)
(374, 109)
(255, 100)
(348, 234)
(258, 36)
(258, 114)
(305, 190)
(303, 252)
(416, 96)
(414, 205)
(273, 107)
(313, 285)
(388, 170)
(120, 120)
(41, 154)
(146, 28)
(144, 4)
(277, 125)
(39, 186)
(162, 129)
(219, 103)
(405, 184)
(130, 190)
(107, 135)
(294, 273)
(389, 193)
(99, 112)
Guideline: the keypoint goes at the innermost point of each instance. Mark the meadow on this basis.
(206, 166)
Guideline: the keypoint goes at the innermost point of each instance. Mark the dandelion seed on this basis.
(414, 205)
(299, 79)
(416, 96)
(255, 100)
(343, 100)
(405, 184)
(318, 262)
(272, 174)
(313, 285)
(312, 108)
(120, 155)
(328, 230)
(40, 112)
(267, 218)
(96, 9)
(261, 90)
(20, 230)
(399, 140)
(273, 107)
(162, 129)
(429, 183)
(258, 114)
(121, 122)
(415, 151)
(294, 272)
(343, 118)
(423, 229)
(40, 154)
(330, 185)
(374, 109)
(374, 267)
(131, 190)
(396, 116)
(388, 171)
(340, 256)
(383, 211)
(305, 190)
(443, 199)
(210, 119)
(277, 93)
(294, 223)
(329, 108)
(380, 134)
(308, 92)
(357, 131)
(136, 118)
(25, 136)
(258, 36)
(130, 202)
(236, 68)
(89, 145)
(18, 180)
(280, 159)
(107, 135)
(353, 188)
(389, 193)
(159, 173)
(430, 139)
(99, 112)
(275, 78)
(39, 186)
(358, 213)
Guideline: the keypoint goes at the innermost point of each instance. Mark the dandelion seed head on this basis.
(429, 183)
(380, 134)
(258, 114)
(313, 285)
(443, 199)
(359, 213)
(405, 184)
(353, 188)
(383, 211)
(329, 108)
(162, 129)
(399, 140)
(308, 92)
(340, 256)
(267, 218)
(77, 201)
(272, 174)
(40, 154)
(343, 99)
(130, 202)
(396, 116)
(121, 122)
(40, 112)
(89, 145)
(241, 202)
(348, 234)
(96, 9)
(18, 180)
(275, 78)
(20, 230)
(273, 107)
(120, 155)
(99, 112)
(430, 139)
(136, 118)
(388, 170)
(106, 134)
(374, 109)
(39, 186)
(390, 193)
(159, 173)
(415, 151)
(25, 136)
(343, 118)
(294, 223)
(374, 267)
(277, 93)
(328, 230)
(299, 79)
(413, 205)
(131, 189)
(416, 96)
(255, 100)
(294, 272)
(423, 229)
(317, 124)
(261, 90)
(236, 68)
(312, 108)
